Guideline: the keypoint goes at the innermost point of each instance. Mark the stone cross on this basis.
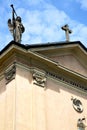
(67, 31)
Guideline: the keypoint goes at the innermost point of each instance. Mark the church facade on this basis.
(43, 87)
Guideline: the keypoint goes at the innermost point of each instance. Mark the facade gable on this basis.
(20, 54)
(72, 56)
(71, 62)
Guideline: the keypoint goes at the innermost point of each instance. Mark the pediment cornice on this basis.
(20, 54)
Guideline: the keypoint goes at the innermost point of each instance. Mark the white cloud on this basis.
(80, 33)
(44, 25)
(83, 3)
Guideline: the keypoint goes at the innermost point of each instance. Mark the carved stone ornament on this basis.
(10, 74)
(77, 105)
(80, 123)
(39, 78)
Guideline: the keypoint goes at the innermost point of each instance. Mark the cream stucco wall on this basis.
(23, 99)
(2, 104)
(26, 106)
(60, 112)
(48, 108)
(7, 105)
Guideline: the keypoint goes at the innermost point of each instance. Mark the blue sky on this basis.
(43, 20)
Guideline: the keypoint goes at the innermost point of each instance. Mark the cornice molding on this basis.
(40, 77)
(75, 84)
(40, 57)
(49, 65)
(74, 73)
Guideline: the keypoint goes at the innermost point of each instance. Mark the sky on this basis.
(43, 20)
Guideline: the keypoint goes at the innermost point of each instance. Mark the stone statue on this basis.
(80, 123)
(19, 29)
(16, 27)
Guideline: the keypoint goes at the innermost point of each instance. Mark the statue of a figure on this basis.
(16, 27)
(19, 29)
(80, 124)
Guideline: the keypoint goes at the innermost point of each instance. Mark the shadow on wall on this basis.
(2, 86)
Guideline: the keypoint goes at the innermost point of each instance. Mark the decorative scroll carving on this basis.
(39, 78)
(77, 105)
(10, 74)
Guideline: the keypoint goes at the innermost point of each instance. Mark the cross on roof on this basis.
(67, 31)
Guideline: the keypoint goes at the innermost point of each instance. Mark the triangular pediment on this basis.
(70, 56)
(71, 62)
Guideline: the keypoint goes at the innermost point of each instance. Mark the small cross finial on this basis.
(67, 31)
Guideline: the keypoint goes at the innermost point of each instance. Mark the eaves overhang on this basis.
(16, 47)
(55, 66)
(44, 45)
